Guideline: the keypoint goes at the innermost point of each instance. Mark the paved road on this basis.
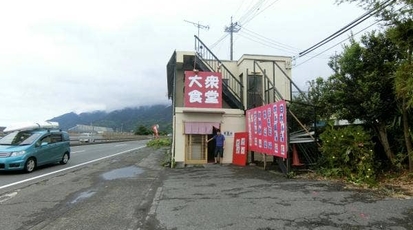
(230, 197)
(132, 191)
(80, 155)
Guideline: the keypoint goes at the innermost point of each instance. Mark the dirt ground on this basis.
(398, 185)
(390, 185)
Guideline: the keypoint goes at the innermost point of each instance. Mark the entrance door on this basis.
(196, 149)
(255, 97)
(211, 145)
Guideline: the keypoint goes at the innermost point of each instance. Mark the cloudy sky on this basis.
(58, 57)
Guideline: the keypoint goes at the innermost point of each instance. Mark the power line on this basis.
(288, 47)
(336, 44)
(235, 27)
(219, 40)
(254, 8)
(260, 12)
(346, 28)
(260, 42)
(239, 7)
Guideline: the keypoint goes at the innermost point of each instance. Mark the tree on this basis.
(398, 16)
(395, 10)
(142, 130)
(402, 36)
(361, 88)
(313, 105)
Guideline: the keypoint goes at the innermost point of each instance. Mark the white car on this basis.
(87, 138)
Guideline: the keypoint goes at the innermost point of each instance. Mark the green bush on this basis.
(348, 153)
(159, 142)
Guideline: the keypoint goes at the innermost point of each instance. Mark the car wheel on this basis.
(65, 159)
(30, 165)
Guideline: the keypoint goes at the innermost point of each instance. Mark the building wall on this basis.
(232, 121)
(179, 90)
(282, 83)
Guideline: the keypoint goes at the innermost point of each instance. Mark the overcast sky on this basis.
(76, 56)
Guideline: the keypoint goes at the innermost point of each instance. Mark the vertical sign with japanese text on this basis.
(267, 129)
(240, 150)
(203, 89)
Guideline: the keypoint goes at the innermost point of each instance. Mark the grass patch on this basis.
(159, 142)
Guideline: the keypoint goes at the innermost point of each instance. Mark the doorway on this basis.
(196, 149)
(211, 145)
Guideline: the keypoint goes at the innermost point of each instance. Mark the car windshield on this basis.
(19, 138)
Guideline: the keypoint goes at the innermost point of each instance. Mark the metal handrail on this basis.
(276, 95)
(234, 85)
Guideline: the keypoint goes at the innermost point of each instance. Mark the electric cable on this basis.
(262, 43)
(219, 40)
(258, 13)
(336, 44)
(349, 26)
(251, 10)
(239, 7)
(269, 40)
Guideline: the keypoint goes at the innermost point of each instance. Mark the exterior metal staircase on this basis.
(232, 88)
(232, 91)
(300, 138)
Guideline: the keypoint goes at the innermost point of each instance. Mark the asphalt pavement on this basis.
(233, 197)
(133, 191)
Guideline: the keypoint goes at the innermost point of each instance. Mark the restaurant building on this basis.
(210, 94)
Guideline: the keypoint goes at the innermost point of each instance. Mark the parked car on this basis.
(26, 150)
(87, 138)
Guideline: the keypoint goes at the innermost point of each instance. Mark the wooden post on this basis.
(265, 161)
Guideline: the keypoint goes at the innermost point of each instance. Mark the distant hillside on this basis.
(128, 119)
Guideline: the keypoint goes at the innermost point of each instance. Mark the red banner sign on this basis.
(203, 89)
(267, 128)
(239, 155)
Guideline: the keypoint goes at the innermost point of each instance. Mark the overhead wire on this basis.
(251, 10)
(248, 8)
(259, 12)
(335, 44)
(239, 7)
(219, 40)
(265, 44)
(349, 26)
(269, 40)
(378, 21)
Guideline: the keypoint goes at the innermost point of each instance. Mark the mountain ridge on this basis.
(128, 119)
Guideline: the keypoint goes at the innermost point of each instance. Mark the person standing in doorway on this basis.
(219, 146)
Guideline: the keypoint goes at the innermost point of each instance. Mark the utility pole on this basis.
(233, 28)
(205, 27)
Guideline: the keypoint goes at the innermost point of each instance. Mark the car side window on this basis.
(56, 137)
(46, 139)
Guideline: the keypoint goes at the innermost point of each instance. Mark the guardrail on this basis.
(101, 139)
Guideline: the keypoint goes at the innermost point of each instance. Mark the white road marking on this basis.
(68, 168)
(80, 151)
(7, 196)
(120, 145)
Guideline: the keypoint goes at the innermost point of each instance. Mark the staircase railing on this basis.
(229, 81)
(269, 86)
